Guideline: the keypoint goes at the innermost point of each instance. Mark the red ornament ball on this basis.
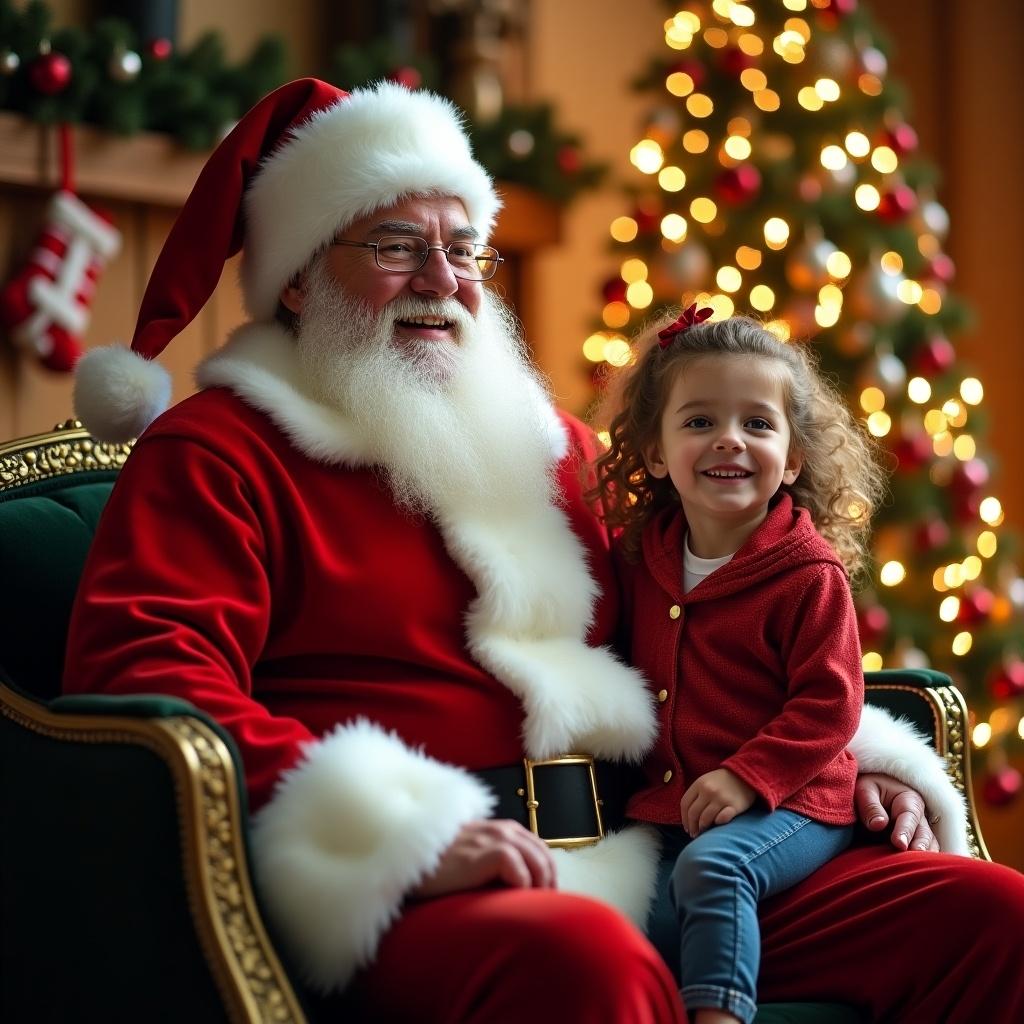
(569, 160)
(897, 204)
(913, 451)
(614, 290)
(941, 268)
(935, 356)
(738, 185)
(969, 477)
(1002, 787)
(975, 606)
(693, 68)
(407, 76)
(932, 534)
(733, 61)
(872, 624)
(159, 49)
(50, 73)
(647, 215)
(901, 138)
(1007, 681)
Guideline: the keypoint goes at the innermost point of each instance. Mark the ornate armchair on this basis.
(124, 888)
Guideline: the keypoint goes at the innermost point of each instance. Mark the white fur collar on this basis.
(535, 595)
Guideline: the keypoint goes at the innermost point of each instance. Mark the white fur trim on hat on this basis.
(119, 393)
(355, 825)
(364, 153)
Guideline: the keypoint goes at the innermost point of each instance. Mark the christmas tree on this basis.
(778, 175)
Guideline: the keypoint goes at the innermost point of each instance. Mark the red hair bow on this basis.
(689, 316)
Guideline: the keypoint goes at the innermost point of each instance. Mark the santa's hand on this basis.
(879, 798)
(490, 851)
(714, 799)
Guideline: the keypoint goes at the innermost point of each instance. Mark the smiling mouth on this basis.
(726, 474)
(430, 323)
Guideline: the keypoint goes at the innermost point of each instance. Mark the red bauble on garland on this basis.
(738, 185)
(896, 204)
(1007, 681)
(1002, 786)
(50, 73)
(935, 356)
(159, 49)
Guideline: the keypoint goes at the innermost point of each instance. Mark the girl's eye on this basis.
(759, 423)
(698, 422)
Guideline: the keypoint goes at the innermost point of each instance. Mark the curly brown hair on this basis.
(841, 480)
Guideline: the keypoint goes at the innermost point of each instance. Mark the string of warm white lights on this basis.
(777, 175)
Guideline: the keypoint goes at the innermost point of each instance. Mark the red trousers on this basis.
(903, 937)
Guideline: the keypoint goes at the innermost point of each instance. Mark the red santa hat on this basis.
(305, 162)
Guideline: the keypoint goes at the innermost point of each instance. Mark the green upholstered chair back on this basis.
(52, 490)
(124, 890)
(44, 539)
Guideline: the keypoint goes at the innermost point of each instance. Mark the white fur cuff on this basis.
(356, 824)
(894, 747)
(621, 870)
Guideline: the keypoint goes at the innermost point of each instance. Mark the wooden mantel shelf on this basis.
(153, 168)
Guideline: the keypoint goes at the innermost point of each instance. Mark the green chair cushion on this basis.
(92, 886)
(44, 539)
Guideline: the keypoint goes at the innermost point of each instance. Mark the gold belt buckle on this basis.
(532, 804)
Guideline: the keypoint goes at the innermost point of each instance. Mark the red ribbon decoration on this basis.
(688, 318)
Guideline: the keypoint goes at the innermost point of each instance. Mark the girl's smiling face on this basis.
(725, 443)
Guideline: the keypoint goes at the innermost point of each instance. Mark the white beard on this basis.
(451, 425)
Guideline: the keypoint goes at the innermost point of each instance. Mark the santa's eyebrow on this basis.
(406, 227)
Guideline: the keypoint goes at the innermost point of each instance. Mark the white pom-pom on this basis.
(119, 393)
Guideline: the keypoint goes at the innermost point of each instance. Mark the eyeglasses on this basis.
(405, 254)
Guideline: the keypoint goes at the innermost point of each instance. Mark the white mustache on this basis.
(405, 307)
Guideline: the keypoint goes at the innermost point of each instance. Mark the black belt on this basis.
(567, 801)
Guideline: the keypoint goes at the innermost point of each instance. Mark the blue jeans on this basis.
(704, 922)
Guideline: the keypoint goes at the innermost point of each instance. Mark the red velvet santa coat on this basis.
(250, 562)
(762, 668)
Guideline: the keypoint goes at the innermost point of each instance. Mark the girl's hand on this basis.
(714, 799)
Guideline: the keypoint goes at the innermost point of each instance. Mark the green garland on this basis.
(196, 96)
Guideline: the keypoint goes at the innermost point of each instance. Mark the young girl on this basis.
(741, 488)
